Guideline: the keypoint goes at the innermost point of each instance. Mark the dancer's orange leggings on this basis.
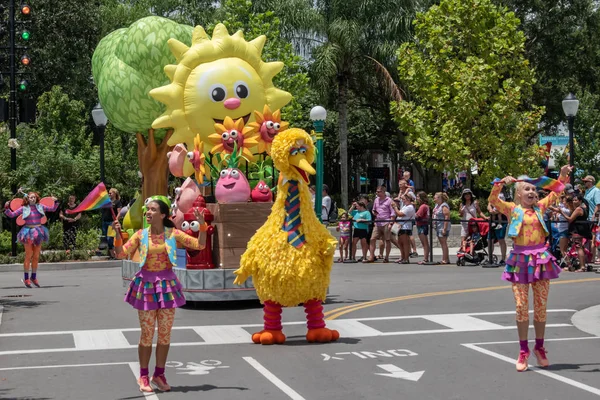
(148, 319)
(32, 255)
(540, 300)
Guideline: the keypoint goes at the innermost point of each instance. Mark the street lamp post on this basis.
(100, 120)
(318, 115)
(570, 106)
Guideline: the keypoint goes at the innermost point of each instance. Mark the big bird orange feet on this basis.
(268, 336)
(322, 335)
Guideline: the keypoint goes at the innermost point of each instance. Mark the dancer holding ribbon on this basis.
(529, 263)
(155, 290)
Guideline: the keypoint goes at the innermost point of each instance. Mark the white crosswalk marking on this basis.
(110, 339)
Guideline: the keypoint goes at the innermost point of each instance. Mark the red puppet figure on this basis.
(198, 259)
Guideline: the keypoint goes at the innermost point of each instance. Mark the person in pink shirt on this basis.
(384, 216)
(33, 232)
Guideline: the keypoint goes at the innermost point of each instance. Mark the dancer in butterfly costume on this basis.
(31, 214)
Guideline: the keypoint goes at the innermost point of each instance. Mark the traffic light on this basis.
(25, 60)
(25, 9)
(25, 35)
(23, 85)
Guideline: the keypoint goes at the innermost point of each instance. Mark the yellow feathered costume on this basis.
(290, 258)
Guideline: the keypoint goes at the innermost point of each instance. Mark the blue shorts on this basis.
(500, 233)
(423, 230)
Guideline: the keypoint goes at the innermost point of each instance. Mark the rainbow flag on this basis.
(546, 183)
(541, 183)
(98, 198)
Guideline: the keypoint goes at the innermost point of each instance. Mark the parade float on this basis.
(204, 109)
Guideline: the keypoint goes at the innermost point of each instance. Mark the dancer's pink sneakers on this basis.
(522, 361)
(27, 283)
(35, 282)
(540, 354)
(144, 383)
(161, 383)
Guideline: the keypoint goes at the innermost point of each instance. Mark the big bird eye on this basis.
(302, 150)
(218, 92)
(194, 226)
(185, 225)
(276, 125)
(224, 173)
(225, 136)
(233, 133)
(235, 174)
(241, 89)
(293, 151)
(269, 124)
(190, 155)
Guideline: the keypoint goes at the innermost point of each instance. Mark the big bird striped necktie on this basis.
(293, 224)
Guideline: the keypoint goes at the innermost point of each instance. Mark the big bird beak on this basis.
(303, 166)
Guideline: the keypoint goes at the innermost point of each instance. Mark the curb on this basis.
(1, 312)
(588, 320)
(62, 266)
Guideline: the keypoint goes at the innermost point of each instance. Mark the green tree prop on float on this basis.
(126, 65)
(470, 86)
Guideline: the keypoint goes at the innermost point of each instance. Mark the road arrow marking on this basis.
(397, 372)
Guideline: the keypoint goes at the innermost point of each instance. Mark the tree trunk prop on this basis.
(153, 163)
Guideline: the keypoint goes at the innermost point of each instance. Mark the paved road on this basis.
(410, 332)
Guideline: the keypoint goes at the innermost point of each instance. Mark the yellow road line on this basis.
(338, 312)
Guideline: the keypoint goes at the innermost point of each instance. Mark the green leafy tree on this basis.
(56, 154)
(563, 45)
(470, 86)
(350, 42)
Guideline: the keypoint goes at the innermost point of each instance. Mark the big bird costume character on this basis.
(219, 77)
(290, 256)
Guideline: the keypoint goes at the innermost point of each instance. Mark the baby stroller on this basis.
(478, 228)
(571, 260)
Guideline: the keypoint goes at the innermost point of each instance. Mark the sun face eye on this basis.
(190, 155)
(194, 226)
(302, 150)
(225, 136)
(269, 124)
(241, 89)
(224, 173)
(234, 134)
(217, 92)
(276, 126)
(293, 151)
(235, 174)
(185, 226)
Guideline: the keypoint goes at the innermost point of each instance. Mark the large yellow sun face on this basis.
(218, 77)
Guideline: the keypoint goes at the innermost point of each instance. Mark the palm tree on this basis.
(345, 38)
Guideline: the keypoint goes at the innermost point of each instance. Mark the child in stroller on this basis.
(476, 244)
(577, 251)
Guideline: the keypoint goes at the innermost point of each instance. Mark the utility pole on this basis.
(12, 102)
(12, 112)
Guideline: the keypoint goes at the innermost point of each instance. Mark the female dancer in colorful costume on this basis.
(33, 232)
(155, 291)
(529, 263)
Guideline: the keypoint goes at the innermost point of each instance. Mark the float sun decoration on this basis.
(218, 77)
